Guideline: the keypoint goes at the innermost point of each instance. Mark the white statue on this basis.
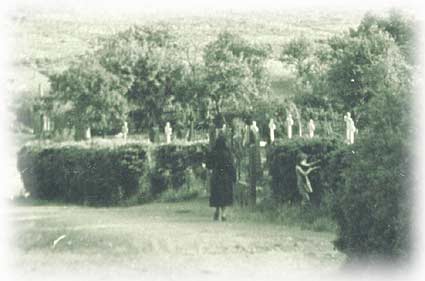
(350, 128)
(272, 128)
(311, 128)
(46, 123)
(289, 124)
(87, 133)
(168, 131)
(254, 126)
(124, 130)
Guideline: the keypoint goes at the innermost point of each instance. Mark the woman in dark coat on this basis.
(220, 161)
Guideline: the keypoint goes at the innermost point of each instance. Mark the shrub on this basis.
(282, 161)
(172, 163)
(108, 173)
(372, 205)
(82, 174)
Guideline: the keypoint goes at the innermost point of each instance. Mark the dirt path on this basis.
(163, 241)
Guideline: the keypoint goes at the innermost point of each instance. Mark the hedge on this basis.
(372, 206)
(282, 159)
(80, 174)
(172, 164)
(105, 175)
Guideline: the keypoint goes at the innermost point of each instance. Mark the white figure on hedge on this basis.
(289, 124)
(168, 132)
(311, 128)
(272, 128)
(254, 126)
(124, 130)
(350, 128)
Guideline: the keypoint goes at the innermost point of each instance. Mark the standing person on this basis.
(211, 134)
(254, 161)
(220, 161)
(303, 182)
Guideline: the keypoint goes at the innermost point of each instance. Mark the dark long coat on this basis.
(221, 162)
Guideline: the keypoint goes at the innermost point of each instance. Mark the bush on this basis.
(108, 174)
(172, 163)
(282, 161)
(372, 204)
(81, 174)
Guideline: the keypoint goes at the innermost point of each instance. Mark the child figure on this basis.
(303, 182)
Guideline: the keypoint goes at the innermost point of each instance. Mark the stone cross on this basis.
(254, 126)
(350, 128)
(272, 128)
(87, 133)
(124, 130)
(289, 124)
(168, 131)
(311, 128)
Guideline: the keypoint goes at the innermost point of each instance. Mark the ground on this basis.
(163, 240)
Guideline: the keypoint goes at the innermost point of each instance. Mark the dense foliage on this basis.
(107, 175)
(77, 174)
(366, 71)
(282, 159)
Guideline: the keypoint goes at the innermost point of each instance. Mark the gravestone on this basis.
(124, 130)
(289, 124)
(272, 128)
(168, 132)
(350, 128)
(311, 128)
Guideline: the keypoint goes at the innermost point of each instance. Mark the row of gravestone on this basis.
(349, 124)
(168, 130)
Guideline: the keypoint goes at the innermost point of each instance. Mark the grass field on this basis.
(160, 240)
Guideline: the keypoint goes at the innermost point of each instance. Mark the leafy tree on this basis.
(147, 60)
(235, 72)
(298, 52)
(95, 98)
(373, 201)
(399, 27)
(362, 67)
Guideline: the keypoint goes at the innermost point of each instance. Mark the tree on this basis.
(362, 67)
(397, 25)
(235, 72)
(95, 97)
(298, 52)
(373, 206)
(147, 59)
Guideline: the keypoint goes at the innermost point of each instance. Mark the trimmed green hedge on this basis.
(79, 174)
(172, 164)
(106, 175)
(282, 159)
